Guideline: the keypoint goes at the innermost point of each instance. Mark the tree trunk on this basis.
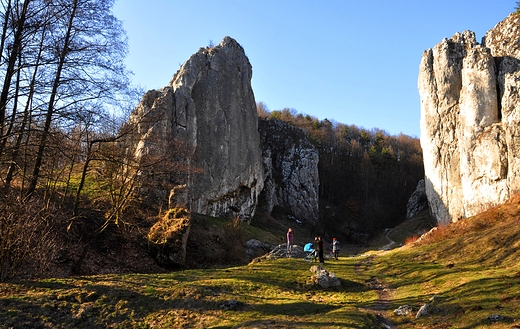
(10, 71)
(52, 100)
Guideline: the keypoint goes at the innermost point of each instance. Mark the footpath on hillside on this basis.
(384, 292)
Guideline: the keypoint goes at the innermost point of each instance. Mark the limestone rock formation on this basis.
(323, 277)
(418, 201)
(291, 170)
(470, 121)
(256, 248)
(210, 107)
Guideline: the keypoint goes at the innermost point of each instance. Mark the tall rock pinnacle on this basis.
(209, 104)
(470, 121)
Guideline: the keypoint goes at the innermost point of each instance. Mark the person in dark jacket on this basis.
(319, 247)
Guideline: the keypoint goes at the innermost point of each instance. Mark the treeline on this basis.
(366, 176)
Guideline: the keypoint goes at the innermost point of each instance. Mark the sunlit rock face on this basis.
(470, 115)
(210, 106)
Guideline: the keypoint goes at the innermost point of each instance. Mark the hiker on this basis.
(289, 240)
(335, 248)
(319, 247)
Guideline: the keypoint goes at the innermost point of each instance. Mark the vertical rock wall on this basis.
(469, 121)
(210, 106)
(291, 170)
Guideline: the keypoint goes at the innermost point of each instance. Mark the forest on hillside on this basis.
(366, 176)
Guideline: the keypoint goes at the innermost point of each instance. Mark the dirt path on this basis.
(390, 243)
(384, 294)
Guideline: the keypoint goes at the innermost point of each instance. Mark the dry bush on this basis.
(411, 239)
(28, 243)
(171, 226)
(234, 229)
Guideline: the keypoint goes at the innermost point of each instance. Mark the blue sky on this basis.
(353, 62)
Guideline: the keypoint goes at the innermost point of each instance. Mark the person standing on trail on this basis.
(319, 247)
(335, 248)
(289, 241)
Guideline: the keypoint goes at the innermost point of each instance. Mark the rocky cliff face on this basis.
(291, 170)
(209, 106)
(418, 201)
(470, 121)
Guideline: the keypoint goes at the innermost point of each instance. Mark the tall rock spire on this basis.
(209, 104)
(470, 119)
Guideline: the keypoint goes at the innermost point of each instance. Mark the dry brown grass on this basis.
(489, 239)
(173, 224)
(502, 215)
(411, 239)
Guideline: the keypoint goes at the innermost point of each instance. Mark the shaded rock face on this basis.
(291, 170)
(210, 106)
(470, 115)
(418, 201)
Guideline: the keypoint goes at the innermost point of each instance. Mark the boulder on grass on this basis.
(323, 278)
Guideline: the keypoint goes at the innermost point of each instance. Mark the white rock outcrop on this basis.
(323, 277)
(470, 121)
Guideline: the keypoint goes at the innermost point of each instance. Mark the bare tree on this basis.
(18, 20)
(89, 48)
(61, 64)
(126, 179)
(56, 56)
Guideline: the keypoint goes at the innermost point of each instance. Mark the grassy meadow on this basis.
(470, 267)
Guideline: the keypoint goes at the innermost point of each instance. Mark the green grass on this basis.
(270, 294)
(468, 292)
(471, 267)
(247, 231)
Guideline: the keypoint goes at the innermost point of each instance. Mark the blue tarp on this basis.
(308, 247)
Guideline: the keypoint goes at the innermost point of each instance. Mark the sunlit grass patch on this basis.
(471, 283)
(272, 294)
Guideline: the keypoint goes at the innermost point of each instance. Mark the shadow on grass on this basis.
(356, 321)
(47, 284)
(88, 304)
(486, 322)
(101, 302)
(296, 309)
(352, 286)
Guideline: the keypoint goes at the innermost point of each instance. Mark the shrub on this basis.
(411, 239)
(171, 227)
(27, 241)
